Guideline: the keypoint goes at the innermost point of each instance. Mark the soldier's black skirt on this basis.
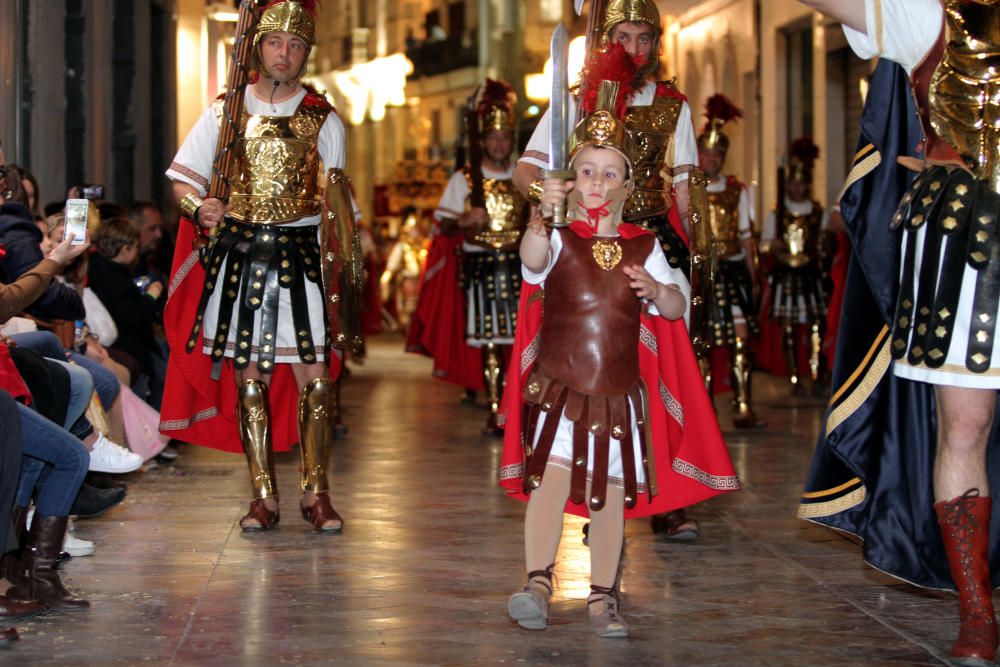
(492, 281)
(797, 294)
(268, 296)
(733, 289)
(674, 249)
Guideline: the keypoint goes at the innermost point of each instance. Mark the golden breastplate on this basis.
(277, 170)
(651, 131)
(964, 97)
(801, 234)
(413, 258)
(724, 217)
(507, 211)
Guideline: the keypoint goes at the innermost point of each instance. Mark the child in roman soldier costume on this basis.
(258, 313)
(606, 414)
(794, 236)
(731, 317)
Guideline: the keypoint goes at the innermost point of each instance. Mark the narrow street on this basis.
(432, 549)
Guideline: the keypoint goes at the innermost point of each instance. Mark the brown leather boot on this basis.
(36, 577)
(9, 561)
(965, 529)
(7, 635)
(15, 610)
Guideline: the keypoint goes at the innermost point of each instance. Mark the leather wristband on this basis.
(190, 203)
(535, 191)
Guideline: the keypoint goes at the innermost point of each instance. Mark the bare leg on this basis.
(965, 417)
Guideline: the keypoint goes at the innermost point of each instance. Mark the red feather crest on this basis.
(720, 107)
(805, 150)
(611, 64)
(496, 94)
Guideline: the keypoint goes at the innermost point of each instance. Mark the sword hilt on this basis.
(559, 209)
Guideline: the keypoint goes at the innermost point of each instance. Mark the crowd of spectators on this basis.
(82, 368)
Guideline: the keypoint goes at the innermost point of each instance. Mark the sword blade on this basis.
(578, 7)
(559, 101)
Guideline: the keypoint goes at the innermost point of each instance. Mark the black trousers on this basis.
(10, 466)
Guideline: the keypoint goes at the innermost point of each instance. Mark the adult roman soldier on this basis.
(261, 306)
(793, 233)
(730, 313)
(481, 204)
(908, 456)
(659, 127)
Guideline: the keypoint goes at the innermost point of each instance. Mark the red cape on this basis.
(692, 461)
(437, 328)
(196, 408)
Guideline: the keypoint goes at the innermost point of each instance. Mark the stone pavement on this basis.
(432, 549)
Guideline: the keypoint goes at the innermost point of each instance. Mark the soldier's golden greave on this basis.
(254, 415)
(317, 410)
(815, 349)
(791, 356)
(739, 369)
(492, 374)
(705, 365)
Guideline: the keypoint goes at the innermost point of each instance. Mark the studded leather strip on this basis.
(599, 483)
(928, 278)
(229, 287)
(628, 460)
(213, 256)
(267, 340)
(954, 224)
(555, 400)
(984, 315)
(578, 475)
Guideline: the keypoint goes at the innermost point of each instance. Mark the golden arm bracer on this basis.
(343, 270)
(703, 260)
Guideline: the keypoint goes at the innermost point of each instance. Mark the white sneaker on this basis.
(110, 457)
(72, 545)
(75, 546)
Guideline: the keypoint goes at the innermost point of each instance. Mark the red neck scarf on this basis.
(594, 214)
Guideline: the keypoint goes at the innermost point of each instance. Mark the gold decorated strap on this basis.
(189, 206)
(535, 191)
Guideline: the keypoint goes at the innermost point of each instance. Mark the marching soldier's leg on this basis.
(317, 406)
(492, 374)
(741, 367)
(253, 412)
(791, 354)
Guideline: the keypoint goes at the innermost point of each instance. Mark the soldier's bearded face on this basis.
(637, 38)
(498, 145)
(283, 55)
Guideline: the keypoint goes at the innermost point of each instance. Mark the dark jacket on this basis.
(22, 252)
(133, 312)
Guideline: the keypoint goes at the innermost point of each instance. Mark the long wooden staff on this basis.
(232, 105)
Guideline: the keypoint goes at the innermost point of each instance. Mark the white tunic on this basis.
(561, 453)
(909, 29)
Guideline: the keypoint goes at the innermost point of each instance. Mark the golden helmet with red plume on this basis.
(605, 90)
(719, 110)
(297, 17)
(496, 106)
(801, 157)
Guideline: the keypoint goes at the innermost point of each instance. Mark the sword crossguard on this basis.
(559, 210)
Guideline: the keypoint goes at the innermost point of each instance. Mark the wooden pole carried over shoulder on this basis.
(232, 105)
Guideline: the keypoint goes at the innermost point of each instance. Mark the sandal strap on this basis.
(260, 513)
(321, 512)
(544, 577)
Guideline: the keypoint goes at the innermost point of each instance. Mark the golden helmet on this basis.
(719, 110)
(297, 17)
(496, 106)
(631, 11)
(603, 127)
(801, 156)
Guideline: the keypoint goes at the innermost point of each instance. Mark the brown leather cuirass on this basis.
(590, 327)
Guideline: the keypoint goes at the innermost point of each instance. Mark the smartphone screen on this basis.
(75, 220)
